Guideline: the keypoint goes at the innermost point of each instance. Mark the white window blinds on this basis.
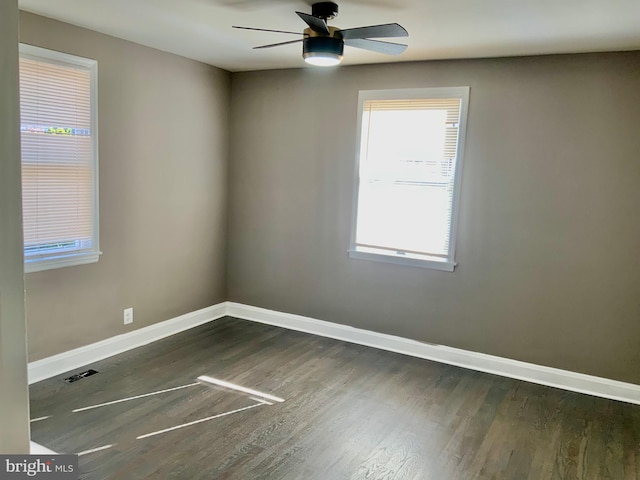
(59, 159)
(407, 175)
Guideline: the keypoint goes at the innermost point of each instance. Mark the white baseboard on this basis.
(553, 377)
(63, 362)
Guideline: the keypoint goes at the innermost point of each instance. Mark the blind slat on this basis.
(407, 169)
(57, 139)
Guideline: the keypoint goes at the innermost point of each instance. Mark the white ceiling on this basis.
(438, 29)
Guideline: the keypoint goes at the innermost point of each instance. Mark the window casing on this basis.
(408, 174)
(59, 148)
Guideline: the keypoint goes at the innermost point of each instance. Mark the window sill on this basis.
(433, 263)
(40, 264)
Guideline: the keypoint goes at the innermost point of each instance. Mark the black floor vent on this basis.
(80, 376)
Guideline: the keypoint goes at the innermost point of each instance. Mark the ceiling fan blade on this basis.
(376, 45)
(266, 30)
(316, 24)
(277, 44)
(375, 31)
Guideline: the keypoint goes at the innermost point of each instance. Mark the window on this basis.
(58, 127)
(408, 175)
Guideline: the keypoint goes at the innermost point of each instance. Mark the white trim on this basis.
(357, 252)
(53, 56)
(432, 263)
(553, 377)
(51, 261)
(63, 362)
(529, 372)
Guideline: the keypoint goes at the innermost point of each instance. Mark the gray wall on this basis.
(163, 137)
(14, 400)
(549, 235)
(549, 231)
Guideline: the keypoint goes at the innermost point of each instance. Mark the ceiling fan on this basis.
(323, 45)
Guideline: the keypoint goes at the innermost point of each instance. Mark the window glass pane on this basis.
(58, 155)
(407, 176)
(405, 199)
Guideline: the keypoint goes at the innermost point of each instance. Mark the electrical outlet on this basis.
(128, 316)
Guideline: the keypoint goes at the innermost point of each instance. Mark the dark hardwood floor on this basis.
(350, 412)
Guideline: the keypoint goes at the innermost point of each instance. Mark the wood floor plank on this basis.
(350, 412)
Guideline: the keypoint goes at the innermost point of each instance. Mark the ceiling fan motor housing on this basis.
(319, 46)
(325, 10)
(323, 45)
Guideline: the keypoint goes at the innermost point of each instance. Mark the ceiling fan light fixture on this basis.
(322, 59)
(323, 45)
(322, 51)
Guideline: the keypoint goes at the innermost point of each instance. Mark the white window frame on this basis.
(416, 260)
(60, 260)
